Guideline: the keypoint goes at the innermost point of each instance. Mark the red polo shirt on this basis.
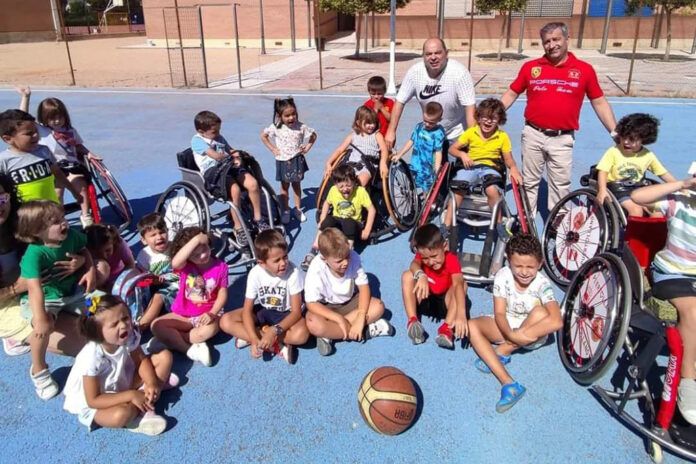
(441, 280)
(555, 93)
(383, 123)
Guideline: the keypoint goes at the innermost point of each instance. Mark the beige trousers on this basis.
(553, 153)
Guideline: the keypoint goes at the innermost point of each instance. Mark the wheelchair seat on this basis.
(190, 172)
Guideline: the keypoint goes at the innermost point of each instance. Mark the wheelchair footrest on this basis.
(470, 263)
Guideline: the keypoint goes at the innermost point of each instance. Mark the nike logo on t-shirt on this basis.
(430, 91)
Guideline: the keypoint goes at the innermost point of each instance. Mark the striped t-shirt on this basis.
(679, 254)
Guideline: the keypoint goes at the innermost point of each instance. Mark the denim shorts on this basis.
(476, 174)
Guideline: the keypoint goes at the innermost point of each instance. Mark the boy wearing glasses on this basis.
(482, 150)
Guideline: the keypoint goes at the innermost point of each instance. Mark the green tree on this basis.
(359, 8)
(505, 8)
(669, 6)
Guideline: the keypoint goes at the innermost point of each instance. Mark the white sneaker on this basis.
(379, 328)
(239, 343)
(148, 424)
(201, 353)
(14, 348)
(46, 387)
(285, 217)
(86, 220)
(687, 400)
(287, 353)
(300, 215)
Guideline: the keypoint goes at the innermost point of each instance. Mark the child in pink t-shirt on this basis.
(111, 254)
(201, 298)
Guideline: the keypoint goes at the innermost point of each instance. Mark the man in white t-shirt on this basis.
(440, 80)
(338, 297)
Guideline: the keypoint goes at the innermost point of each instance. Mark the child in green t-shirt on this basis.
(42, 224)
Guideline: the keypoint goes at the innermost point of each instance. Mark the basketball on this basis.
(387, 400)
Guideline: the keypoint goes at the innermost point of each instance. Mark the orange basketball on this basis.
(387, 400)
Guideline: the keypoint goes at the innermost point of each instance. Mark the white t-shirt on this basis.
(157, 263)
(115, 372)
(289, 139)
(271, 291)
(324, 286)
(520, 304)
(453, 89)
(61, 151)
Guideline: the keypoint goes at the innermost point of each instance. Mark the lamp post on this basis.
(236, 42)
(263, 35)
(391, 88)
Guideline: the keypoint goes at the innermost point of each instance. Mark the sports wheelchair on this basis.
(188, 203)
(608, 312)
(578, 229)
(474, 213)
(394, 198)
(103, 186)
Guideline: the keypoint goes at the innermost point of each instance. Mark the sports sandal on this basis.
(509, 395)
(483, 367)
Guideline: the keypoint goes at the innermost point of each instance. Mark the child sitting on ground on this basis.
(63, 140)
(112, 383)
(434, 286)
(525, 312)
(201, 298)
(32, 167)
(338, 297)
(426, 140)
(377, 87)
(346, 199)
(154, 258)
(110, 253)
(220, 164)
(42, 225)
(368, 150)
(623, 166)
(483, 150)
(271, 318)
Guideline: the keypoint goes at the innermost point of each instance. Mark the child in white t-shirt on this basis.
(154, 258)
(525, 312)
(271, 318)
(338, 297)
(112, 383)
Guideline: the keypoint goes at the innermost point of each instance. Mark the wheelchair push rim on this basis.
(400, 196)
(181, 206)
(576, 230)
(596, 314)
(326, 185)
(111, 191)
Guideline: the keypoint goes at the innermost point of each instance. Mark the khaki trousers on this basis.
(554, 153)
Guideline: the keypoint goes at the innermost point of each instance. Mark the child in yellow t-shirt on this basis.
(482, 150)
(623, 166)
(347, 198)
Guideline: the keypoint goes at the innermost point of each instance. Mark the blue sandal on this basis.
(509, 395)
(483, 367)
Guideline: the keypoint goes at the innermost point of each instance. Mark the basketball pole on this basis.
(317, 34)
(236, 43)
(391, 88)
(67, 47)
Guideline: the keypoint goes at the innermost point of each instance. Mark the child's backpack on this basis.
(133, 287)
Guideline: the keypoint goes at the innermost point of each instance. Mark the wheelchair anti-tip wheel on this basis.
(576, 230)
(111, 191)
(181, 205)
(400, 196)
(596, 314)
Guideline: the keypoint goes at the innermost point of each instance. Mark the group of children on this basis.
(115, 382)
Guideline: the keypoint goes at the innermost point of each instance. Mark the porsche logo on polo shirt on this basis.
(573, 74)
(536, 71)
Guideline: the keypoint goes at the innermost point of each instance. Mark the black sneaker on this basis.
(309, 257)
(262, 225)
(241, 238)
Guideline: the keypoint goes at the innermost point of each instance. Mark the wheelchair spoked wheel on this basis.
(434, 201)
(182, 205)
(596, 314)
(400, 196)
(111, 191)
(576, 230)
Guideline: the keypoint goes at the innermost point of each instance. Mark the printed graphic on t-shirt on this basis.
(199, 290)
(629, 172)
(430, 91)
(345, 209)
(27, 174)
(271, 297)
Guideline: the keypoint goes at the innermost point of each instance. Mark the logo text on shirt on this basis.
(430, 91)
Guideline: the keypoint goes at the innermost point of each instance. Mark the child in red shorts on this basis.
(434, 286)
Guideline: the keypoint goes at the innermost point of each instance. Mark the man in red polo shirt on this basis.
(556, 85)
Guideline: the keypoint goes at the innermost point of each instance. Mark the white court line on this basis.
(318, 94)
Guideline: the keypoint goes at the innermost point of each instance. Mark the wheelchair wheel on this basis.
(110, 190)
(575, 231)
(596, 315)
(326, 184)
(435, 200)
(400, 196)
(182, 205)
